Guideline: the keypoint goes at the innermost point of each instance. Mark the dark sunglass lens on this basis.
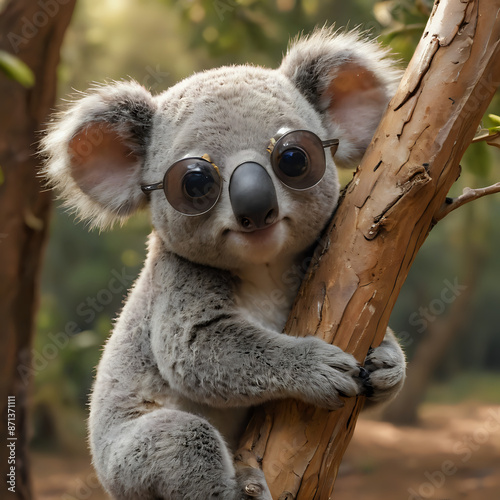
(293, 162)
(192, 186)
(198, 183)
(298, 159)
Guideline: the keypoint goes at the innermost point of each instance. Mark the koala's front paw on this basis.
(330, 374)
(385, 370)
(252, 484)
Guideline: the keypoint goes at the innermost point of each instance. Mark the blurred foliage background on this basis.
(87, 274)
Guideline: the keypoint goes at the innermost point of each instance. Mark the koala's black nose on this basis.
(253, 197)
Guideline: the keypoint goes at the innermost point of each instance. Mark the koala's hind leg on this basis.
(171, 455)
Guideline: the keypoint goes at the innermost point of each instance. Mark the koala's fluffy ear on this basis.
(348, 80)
(96, 149)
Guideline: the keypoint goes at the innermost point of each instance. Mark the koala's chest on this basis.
(264, 299)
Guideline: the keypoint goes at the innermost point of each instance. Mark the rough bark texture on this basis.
(32, 31)
(386, 214)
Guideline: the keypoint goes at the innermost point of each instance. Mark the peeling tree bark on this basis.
(387, 212)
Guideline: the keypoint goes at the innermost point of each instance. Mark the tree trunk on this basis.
(31, 30)
(386, 214)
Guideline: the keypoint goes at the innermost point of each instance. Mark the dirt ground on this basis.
(453, 455)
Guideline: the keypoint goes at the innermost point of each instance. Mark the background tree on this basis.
(33, 32)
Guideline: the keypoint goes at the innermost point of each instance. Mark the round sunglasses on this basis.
(193, 185)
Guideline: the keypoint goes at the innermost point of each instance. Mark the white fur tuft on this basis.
(110, 104)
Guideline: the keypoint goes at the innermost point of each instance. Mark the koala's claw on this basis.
(365, 382)
(363, 374)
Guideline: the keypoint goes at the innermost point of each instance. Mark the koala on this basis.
(238, 167)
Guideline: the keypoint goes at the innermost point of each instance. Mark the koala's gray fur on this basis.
(199, 339)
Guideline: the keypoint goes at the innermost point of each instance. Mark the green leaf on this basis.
(16, 69)
(494, 119)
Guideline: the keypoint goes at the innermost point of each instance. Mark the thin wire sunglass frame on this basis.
(329, 143)
(147, 188)
(332, 144)
(311, 146)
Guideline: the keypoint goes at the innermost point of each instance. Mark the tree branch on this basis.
(492, 139)
(388, 210)
(467, 195)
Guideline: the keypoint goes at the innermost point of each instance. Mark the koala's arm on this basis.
(208, 352)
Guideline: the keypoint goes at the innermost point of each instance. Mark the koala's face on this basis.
(110, 152)
(231, 115)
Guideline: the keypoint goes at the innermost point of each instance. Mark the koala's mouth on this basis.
(257, 233)
(260, 239)
(261, 232)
